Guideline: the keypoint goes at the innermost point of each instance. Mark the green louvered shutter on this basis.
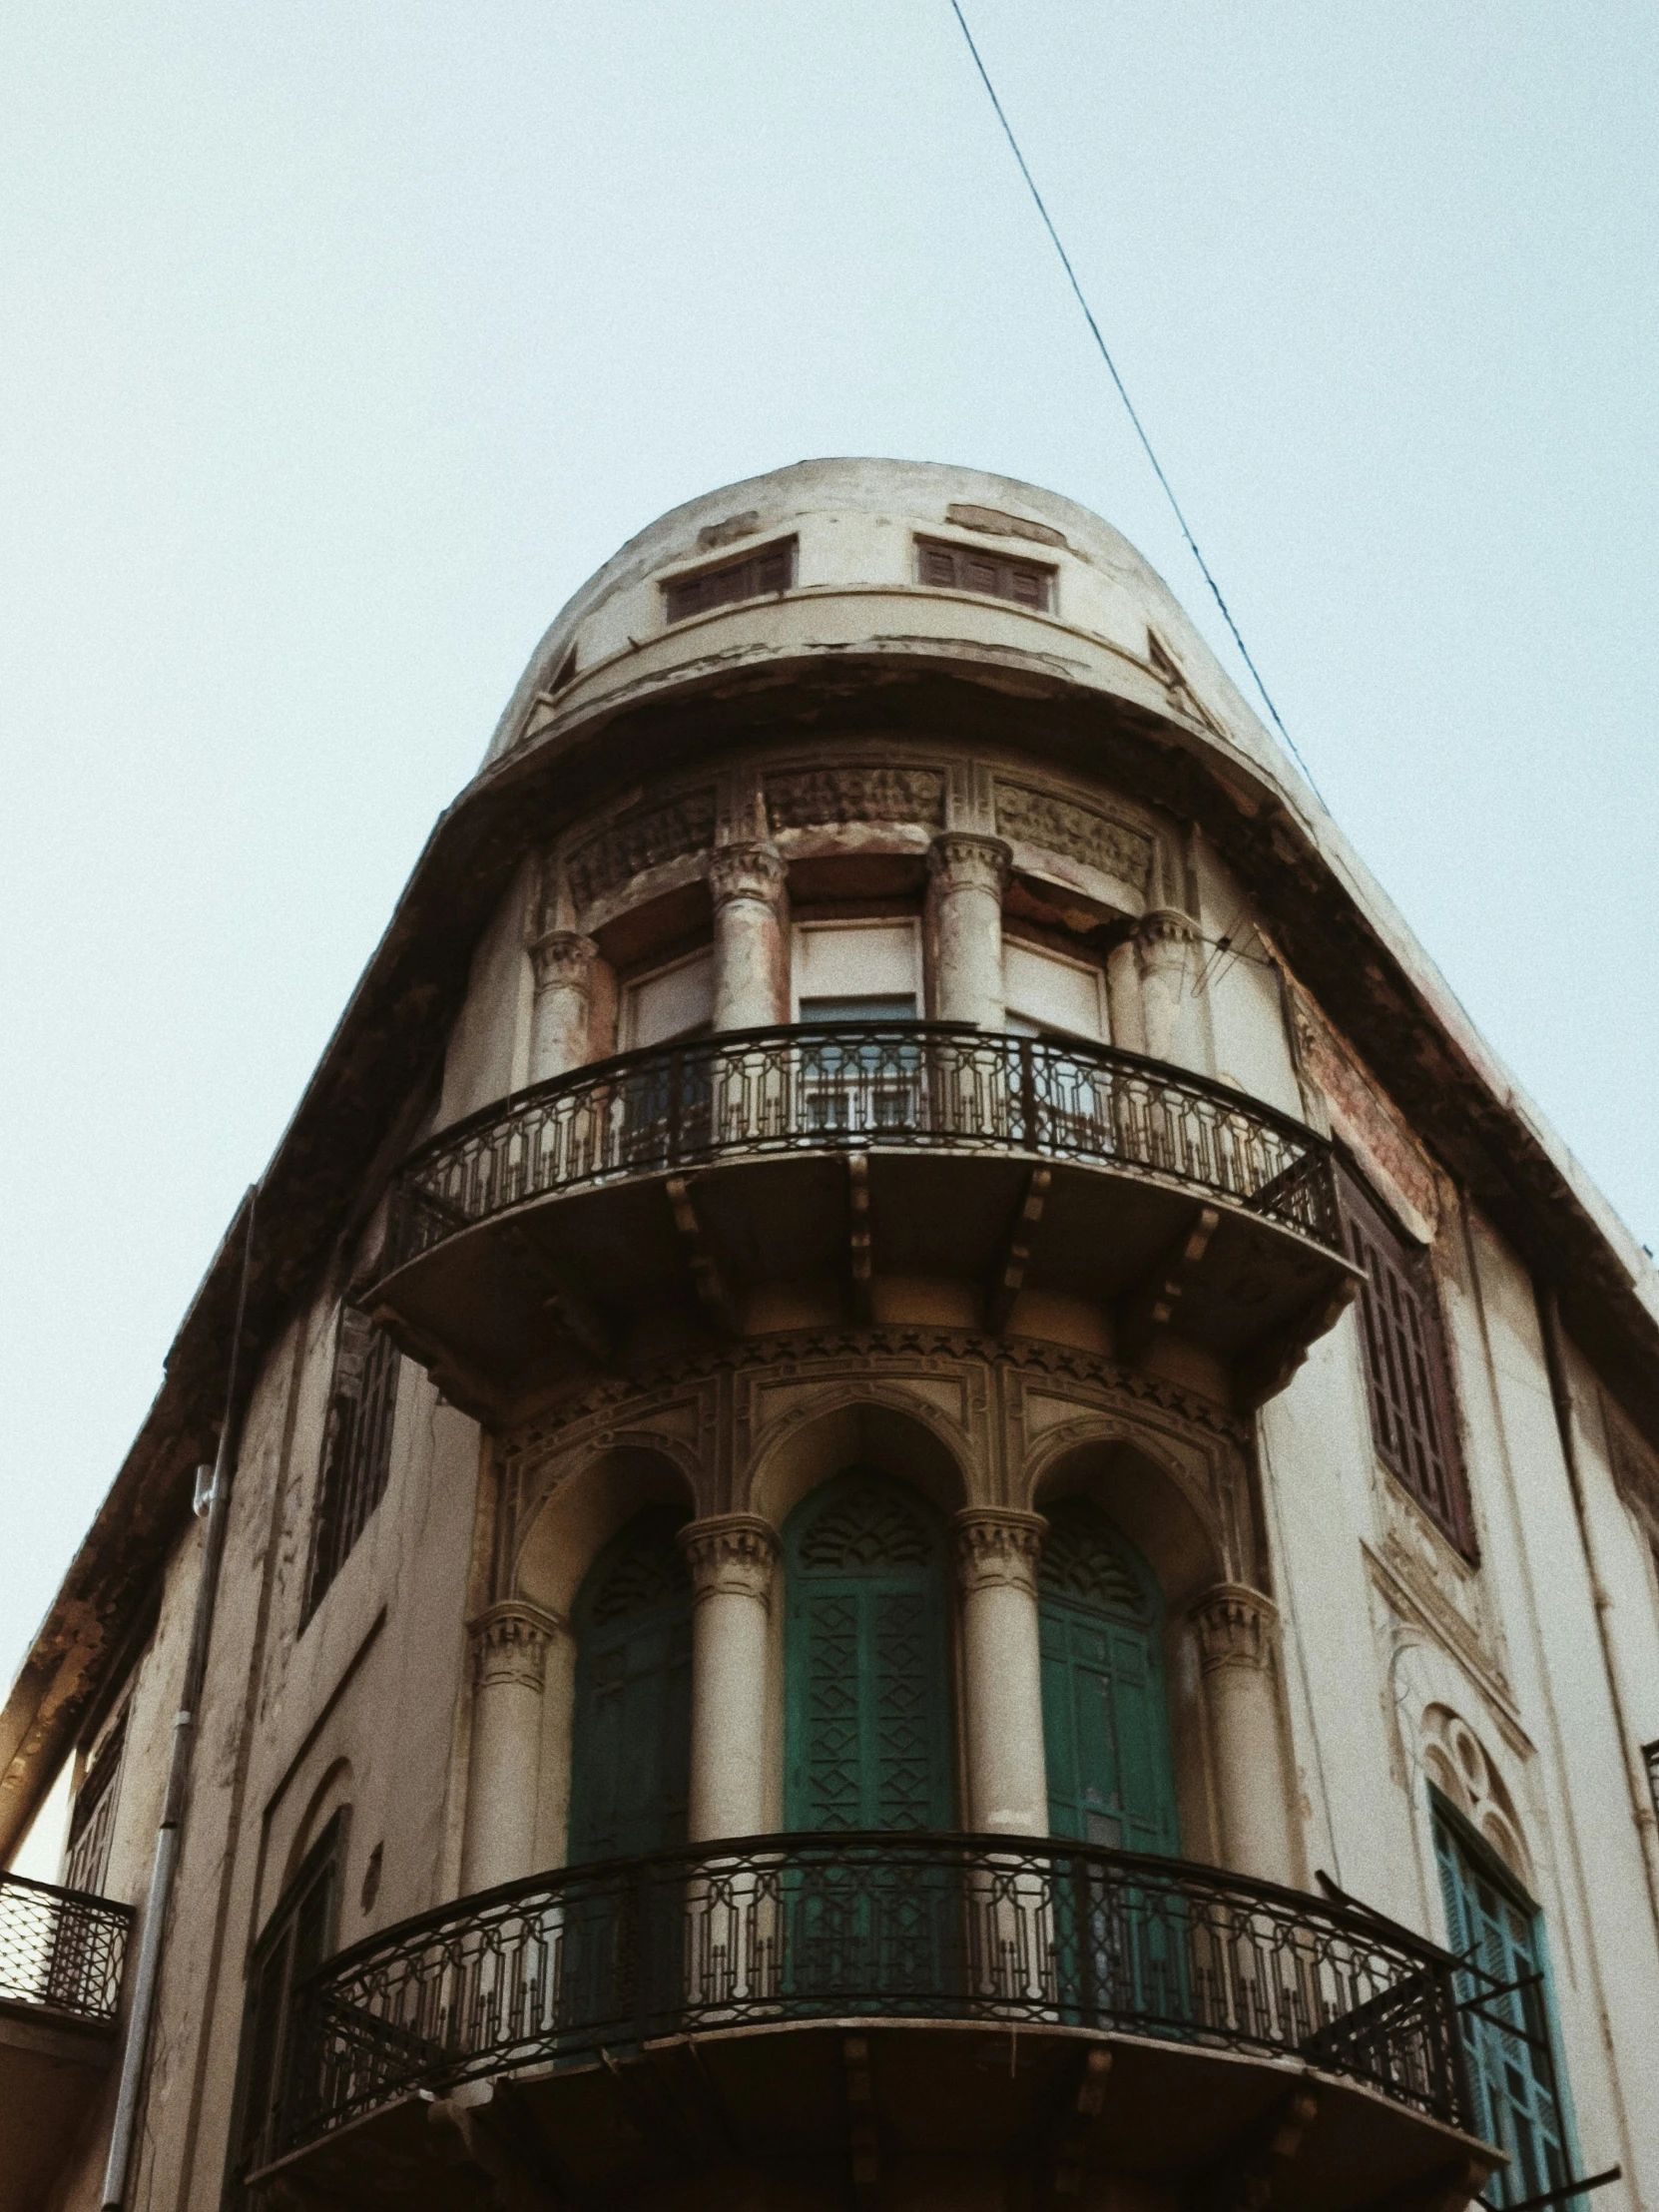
(867, 1722)
(1508, 2044)
(1105, 1712)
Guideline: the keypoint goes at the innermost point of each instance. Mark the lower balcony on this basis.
(796, 1176)
(61, 1958)
(893, 2019)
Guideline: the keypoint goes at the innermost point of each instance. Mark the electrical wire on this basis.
(1123, 394)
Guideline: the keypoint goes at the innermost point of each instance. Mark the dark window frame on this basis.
(944, 565)
(300, 1933)
(1409, 1394)
(357, 1450)
(763, 572)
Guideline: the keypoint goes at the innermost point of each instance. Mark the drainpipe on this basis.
(147, 1979)
(1560, 1390)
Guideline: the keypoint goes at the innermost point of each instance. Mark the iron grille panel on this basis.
(60, 1949)
(857, 1086)
(782, 1927)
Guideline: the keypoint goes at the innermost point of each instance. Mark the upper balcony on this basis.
(790, 1176)
(938, 2018)
(61, 1958)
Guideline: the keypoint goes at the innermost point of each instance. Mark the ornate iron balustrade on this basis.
(860, 1087)
(777, 1929)
(62, 1950)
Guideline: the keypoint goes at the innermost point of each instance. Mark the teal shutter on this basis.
(1510, 2042)
(1105, 1711)
(869, 1704)
(631, 1767)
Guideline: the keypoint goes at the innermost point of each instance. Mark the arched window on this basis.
(1105, 1712)
(632, 1753)
(868, 1713)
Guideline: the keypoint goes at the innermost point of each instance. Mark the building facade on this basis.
(932, 1497)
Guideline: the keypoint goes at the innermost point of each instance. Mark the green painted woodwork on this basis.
(1511, 2042)
(868, 1715)
(1105, 1711)
(631, 1767)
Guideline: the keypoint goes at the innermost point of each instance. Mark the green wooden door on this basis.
(1105, 1713)
(631, 1767)
(867, 1726)
(1510, 2042)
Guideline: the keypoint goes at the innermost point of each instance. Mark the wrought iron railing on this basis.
(60, 1949)
(863, 1086)
(776, 1928)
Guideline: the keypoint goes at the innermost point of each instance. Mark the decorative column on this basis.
(971, 873)
(996, 1562)
(509, 1653)
(563, 964)
(752, 983)
(1236, 1629)
(731, 1558)
(1164, 942)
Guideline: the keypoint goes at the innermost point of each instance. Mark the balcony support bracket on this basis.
(1268, 1366)
(860, 1253)
(564, 1299)
(483, 2131)
(705, 1268)
(1008, 1277)
(864, 2144)
(1449, 2189)
(1246, 2176)
(1149, 1308)
(1068, 2141)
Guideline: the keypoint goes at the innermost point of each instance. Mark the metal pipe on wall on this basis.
(136, 2049)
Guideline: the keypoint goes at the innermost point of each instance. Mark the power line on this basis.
(1129, 404)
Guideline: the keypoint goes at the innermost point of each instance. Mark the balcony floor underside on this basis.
(522, 1304)
(962, 2113)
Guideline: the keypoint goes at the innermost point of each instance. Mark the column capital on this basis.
(509, 1643)
(1164, 935)
(731, 1556)
(966, 859)
(998, 1548)
(754, 869)
(1235, 1627)
(563, 957)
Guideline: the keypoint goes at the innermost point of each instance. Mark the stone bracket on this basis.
(1264, 1371)
(1151, 1305)
(1008, 1275)
(705, 1268)
(484, 2130)
(1246, 2174)
(1068, 2138)
(860, 1253)
(564, 1298)
(1449, 2189)
(864, 2144)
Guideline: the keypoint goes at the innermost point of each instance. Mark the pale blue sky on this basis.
(340, 340)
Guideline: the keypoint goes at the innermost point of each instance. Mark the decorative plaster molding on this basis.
(509, 1643)
(563, 959)
(731, 1556)
(1236, 1627)
(1080, 832)
(962, 859)
(813, 798)
(749, 870)
(612, 856)
(998, 1549)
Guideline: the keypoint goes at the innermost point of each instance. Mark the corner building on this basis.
(939, 1501)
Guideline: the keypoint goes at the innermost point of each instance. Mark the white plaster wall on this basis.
(490, 1046)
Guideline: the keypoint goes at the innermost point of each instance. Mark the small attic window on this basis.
(966, 568)
(770, 568)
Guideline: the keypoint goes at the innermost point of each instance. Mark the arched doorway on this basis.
(631, 1764)
(867, 1720)
(1106, 1737)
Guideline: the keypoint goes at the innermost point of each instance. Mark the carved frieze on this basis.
(810, 799)
(1080, 832)
(615, 854)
